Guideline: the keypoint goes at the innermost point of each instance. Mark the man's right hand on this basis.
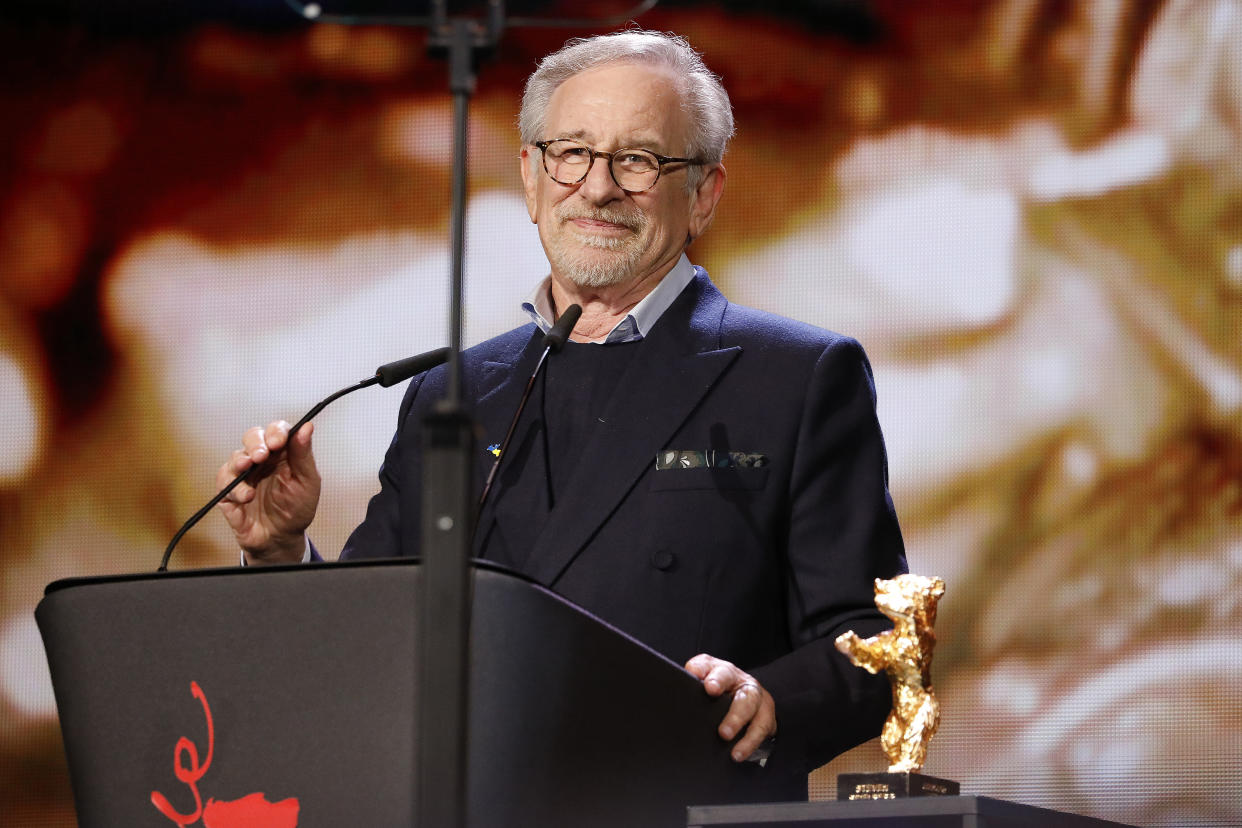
(270, 510)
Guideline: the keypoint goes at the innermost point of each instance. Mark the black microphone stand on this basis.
(448, 437)
(448, 443)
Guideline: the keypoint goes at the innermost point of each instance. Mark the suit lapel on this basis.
(500, 381)
(671, 372)
(499, 390)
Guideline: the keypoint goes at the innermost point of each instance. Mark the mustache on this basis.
(634, 220)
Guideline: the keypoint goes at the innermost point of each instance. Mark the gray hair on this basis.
(703, 96)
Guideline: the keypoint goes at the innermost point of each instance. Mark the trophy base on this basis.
(893, 786)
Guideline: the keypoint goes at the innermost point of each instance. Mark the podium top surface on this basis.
(89, 580)
(938, 811)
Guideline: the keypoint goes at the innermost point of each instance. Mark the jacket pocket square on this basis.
(673, 459)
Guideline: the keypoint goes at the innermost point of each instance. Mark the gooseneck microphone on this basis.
(385, 375)
(553, 341)
(559, 333)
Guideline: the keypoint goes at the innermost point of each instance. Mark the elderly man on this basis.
(706, 477)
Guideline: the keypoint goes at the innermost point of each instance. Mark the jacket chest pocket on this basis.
(725, 479)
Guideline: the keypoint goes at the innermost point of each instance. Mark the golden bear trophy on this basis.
(905, 654)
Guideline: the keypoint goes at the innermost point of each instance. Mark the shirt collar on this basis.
(637, 323)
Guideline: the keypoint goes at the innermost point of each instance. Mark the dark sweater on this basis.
(567, 402)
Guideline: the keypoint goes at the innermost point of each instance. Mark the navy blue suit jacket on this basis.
(761, 566)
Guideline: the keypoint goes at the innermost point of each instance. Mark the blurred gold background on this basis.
(1029, 212)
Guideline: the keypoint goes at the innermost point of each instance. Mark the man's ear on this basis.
(530, 180)
(704, 200)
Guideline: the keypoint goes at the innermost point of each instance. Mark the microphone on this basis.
(385, 376)
(399, 371)
(429, 14)
(553, 341)
(559, 333)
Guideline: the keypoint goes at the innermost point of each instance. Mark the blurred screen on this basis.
(1028, 211)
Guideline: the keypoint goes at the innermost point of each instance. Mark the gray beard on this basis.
(594, 271)
(574, 260)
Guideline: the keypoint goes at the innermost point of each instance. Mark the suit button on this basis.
(663, 560)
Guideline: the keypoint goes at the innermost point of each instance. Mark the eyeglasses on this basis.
(634, 170)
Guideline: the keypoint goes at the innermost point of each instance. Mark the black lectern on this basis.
(914, 812)
(259, 694)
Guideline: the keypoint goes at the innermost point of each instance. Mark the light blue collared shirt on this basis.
(637, 323)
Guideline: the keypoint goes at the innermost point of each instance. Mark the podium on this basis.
(914, 812)
(243, 687)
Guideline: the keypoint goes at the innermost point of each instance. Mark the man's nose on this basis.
(599, 187)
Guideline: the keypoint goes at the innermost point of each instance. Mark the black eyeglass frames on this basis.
(634, 170)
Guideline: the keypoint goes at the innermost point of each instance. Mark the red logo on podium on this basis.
(251, 811)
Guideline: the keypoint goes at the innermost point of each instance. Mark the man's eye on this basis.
(573, 153)
(635, 159)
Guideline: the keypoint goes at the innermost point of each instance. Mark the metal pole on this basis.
(448, 442)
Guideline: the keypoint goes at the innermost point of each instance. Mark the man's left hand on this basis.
(752, 708)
